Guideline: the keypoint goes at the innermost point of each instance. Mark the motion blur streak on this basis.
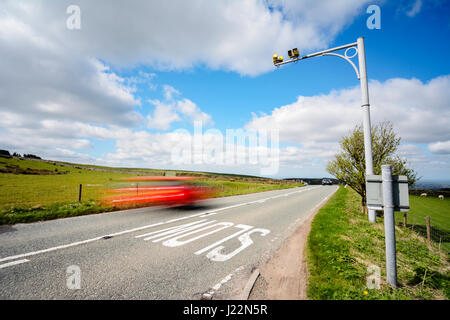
(170, 191)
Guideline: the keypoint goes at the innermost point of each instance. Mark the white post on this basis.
(389, 225)
(366, 115)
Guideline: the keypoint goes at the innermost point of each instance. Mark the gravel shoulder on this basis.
(284, 276)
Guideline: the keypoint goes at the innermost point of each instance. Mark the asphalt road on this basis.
(152, 253)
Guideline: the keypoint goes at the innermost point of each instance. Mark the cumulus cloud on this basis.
(418, 110)
(440, 147)
(181, 34)
(60, 90)
(180, 149)
(193, 112)
(414, 9)
(170, 92)
(163, 116)
(174, 110)
(51, 73)
(41, 78)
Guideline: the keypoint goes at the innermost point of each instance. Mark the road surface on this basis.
(152, 253)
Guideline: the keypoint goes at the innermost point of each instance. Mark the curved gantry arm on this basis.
(347, 58)
(330, 52)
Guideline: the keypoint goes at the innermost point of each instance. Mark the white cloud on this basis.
(440, 147)
(170, 92)
(193, 112)
(163, 116)
(437, 164)
(414, 9)
(173, 110)
(59, 88)
(69, 155)
(419, 112)
(46, 85)
(234, 35)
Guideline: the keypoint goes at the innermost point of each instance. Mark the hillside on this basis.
(36, 189)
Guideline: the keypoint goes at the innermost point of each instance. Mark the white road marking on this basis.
(209, 212)
(175, 242)
(176, 232)
(215, 244)
(49, 249)
(171, 228)
(136, 229)
(13, 263)
(245, 240)
(75, 243)
(223, 281)
(216, 287)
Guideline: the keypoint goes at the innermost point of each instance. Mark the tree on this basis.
(349, 164)
(31, 156)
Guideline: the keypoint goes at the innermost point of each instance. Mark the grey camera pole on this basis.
(389, 225)
(362, 76)
(366, 115)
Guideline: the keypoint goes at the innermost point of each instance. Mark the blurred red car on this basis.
(161, 190)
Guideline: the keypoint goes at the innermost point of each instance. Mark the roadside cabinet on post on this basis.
(374, 193)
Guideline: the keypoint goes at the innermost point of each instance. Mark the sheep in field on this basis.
(441, 197)
(423, 194)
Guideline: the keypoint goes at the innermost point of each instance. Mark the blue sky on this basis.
(115, 91)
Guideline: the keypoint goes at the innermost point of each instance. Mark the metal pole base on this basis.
(372, 216)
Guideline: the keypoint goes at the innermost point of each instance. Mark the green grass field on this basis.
(439, 213)
(28, 190)
(342, 244)
(27, 197)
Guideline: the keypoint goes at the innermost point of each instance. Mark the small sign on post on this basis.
(374, 193)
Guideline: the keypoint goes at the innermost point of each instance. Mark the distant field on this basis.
(437, 210)
(44, 187)
(34, 189)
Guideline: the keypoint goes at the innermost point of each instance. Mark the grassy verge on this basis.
(342, 244)
(49, 212)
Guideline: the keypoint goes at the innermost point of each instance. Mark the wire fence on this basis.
(30, 196)
(433, 231)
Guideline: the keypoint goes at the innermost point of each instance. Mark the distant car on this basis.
(327, 182)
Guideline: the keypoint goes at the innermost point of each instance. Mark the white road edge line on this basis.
(73, 244)
(13, 263)
(211, 292)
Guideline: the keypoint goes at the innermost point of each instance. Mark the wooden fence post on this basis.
(79, 193)
(428, 228)
(404, 220)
